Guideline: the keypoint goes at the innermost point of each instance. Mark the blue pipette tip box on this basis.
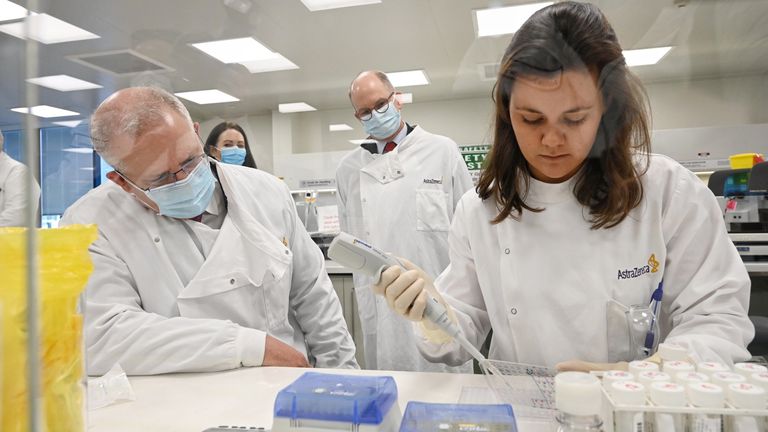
(420, 416)
(317, 399)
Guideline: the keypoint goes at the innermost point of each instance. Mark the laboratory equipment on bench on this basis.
(420, 416)
(318, 402)
(362, 257)
(743, 197)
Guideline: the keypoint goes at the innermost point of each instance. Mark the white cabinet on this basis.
(345, 290)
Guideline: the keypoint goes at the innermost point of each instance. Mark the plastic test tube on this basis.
(708, 368)
(705, 395)
(760, 380)
(668, 394)
(637, 366)
(747, 369)
(676, 366)
(612, 376)
(628, 393)
(746, 396)
(724, 379)
(649, 377)
(685, 378)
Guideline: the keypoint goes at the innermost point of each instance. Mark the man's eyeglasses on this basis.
(381, 107)
(169, 177)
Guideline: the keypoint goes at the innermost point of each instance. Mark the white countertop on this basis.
(245, 397)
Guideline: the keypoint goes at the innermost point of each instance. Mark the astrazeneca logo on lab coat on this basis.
(651, 267)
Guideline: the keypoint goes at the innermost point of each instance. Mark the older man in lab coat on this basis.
(198, 266)
(13, 190)
(399, 193)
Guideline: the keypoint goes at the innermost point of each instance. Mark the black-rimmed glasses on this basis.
(380, 108)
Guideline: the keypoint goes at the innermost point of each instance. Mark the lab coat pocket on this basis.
(229, 296)
(432, 210)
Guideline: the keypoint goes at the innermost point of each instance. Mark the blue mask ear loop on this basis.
(655, 302)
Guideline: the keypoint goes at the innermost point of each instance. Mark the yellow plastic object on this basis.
(745, 160)
(64, 268)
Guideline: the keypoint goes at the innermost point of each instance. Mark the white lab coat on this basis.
(13, 192)
(544, 283)
(401, 202)
(263, 275)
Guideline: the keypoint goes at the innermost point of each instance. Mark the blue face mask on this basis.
(186, 198)
(383, 125)
(233, 155)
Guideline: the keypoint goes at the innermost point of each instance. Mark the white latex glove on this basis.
(406, 290)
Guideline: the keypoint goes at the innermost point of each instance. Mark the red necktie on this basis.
(389, 147)
(198, 218)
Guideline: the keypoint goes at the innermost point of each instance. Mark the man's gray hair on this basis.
(2, 141)
(132, 115)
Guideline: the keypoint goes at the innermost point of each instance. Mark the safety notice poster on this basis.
(474, 156)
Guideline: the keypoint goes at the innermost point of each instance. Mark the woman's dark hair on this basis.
(563, 37)
(213, 139)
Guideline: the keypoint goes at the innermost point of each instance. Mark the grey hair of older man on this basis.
(131, 112)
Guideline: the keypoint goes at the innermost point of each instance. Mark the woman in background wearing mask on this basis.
(573, 216)
(227, 143)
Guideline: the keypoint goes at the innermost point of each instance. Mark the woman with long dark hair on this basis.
(574, 221)
(228, 143)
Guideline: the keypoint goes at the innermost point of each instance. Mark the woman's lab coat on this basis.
(548, 284)
(13, 195)
(402, 202)
(263, 275)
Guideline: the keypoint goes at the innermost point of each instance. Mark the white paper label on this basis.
(328, 219)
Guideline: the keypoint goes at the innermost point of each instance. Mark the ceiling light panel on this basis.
(205, 97)
(295, 107)
(504, 20)
(11, 11)
(45, 111)
(47, 29)
(63, 83)
(646, 56)
(408, 78)
(239, 50)
(339, 127)
(317, 5)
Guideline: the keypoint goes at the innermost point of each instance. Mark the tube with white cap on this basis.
(746, 396)
(638, 366)
(708, 368)
(633, 394)
(579, 399)
(612, 376)
(705, 395)
(748, 369)
(676, 366)
(668, 394)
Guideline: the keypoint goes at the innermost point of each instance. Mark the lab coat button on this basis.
(364, 200)
(157, 239)
(506, 251)
(232, 281)
(513, 311)
(286, 251)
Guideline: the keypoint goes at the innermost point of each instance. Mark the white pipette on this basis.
(358, 255)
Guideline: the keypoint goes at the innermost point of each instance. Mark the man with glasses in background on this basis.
(398, 191)
(199, 266)
(13, 190)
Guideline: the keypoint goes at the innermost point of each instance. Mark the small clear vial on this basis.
(685, 378)
(668, 394)
(705, 395)
(748, 369)
(746, 396)
(676, 366)
(612, 376)
(628, 393)
(579, 399)
(708, 368)
(638, 366)
(724, 379)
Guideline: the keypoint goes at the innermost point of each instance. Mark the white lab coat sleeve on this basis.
(314, 302)
(706, 286)
(341, 199)
(13, 213)
(462, 180)
(118, 330)
(459, 286)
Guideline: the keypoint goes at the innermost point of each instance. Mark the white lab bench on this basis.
(245, 397)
